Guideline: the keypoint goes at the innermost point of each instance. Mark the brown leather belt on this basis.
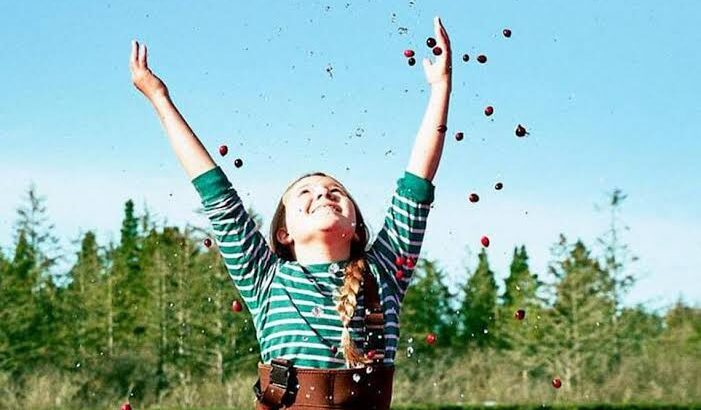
(314, 389)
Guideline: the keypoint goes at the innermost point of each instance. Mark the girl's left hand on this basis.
(439, 73)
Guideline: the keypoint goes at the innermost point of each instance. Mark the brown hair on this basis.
(352, 279)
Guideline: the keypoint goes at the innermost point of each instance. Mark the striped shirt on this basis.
(294, 306)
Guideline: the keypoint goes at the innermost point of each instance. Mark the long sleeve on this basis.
(248, 259)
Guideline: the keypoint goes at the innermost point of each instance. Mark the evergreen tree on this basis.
(478, 312)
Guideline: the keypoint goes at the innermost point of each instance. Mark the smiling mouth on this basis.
(331, 208)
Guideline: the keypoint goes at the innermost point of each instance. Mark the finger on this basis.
(142, 56)
(132, 56)
(441, 33)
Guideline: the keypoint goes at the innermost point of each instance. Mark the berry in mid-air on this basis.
(431, 42)
(408, 53)
(488, 110)
(498, 186)
(223, 150)
(236, 306)
(520, 131)
(207, 242)
(459, 136)
(430, 338)
(411, 61)
(238, 163)
(482, 58)
(520, 314)
(465, 58)
(506, 32)
(557, 383)
(437, 51)
(125, 406)
(399, 261)
(474, 197)
(485, 241)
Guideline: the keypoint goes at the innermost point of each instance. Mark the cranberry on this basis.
(399, 275)
(126, 406)
(207, 242)
(498, 186)
(399, 261)
(474, 197)
(507, 33)
(408, 53)
(238, 163)
(465, 58)
(437, 51)
(371, 354)
(482, 58)
(520, 314)
(430, 338)
(488, 110)
(485, 241)
(334, 349)
(223, 150)
(459, 136)
(411, 61)
(410, 263)
(442, 128)
(557, 383)
(520, 131)
(431, 42)
(236, 306)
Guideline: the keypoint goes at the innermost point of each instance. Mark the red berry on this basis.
(399, 261)
(557, 383)
(408, 53)
(223, 150)
(442, 128)
(485, 241)
(459, 136)
(334, 349)
(482, 58)
(520, 131)
(236, 306)
(410, 263)
(520, 314)
(498, 186)
(431, 42)
(126, 406)
(507, 33)
(207, 242)
(430, 338)
(371, 354)
(488, 110)
(437, 51)
(465, 58)
(474, 197)
(399, 274)
(411, 61)
(238, 163)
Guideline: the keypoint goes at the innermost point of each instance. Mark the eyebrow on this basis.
(307, 184)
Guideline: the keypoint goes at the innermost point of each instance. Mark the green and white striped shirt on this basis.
(293, 306)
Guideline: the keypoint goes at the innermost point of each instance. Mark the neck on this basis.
(309, 254)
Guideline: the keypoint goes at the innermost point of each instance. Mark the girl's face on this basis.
(318, 208)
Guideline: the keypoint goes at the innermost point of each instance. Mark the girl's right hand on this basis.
(142, 77)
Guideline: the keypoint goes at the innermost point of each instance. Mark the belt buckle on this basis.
(280, 372)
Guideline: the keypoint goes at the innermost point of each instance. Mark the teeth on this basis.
(333, 208)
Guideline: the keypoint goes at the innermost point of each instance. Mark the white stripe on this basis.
(294, 344)
(293, 356)
(410, 202)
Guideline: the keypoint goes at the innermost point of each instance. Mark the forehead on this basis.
(313, 180)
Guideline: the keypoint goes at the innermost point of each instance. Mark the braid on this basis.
(346, 307)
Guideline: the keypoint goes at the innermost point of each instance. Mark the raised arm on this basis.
(428, 147)
(190, 152)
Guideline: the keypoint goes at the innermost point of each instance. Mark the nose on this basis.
(322, 191)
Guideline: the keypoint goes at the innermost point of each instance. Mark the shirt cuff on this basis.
(416, 188)
(211, 184)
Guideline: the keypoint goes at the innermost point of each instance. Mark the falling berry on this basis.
(488, 110)
(223, 150)
(442, 128)
(399, 261)
(498, 186)
(459, 136)
(437, 51)
(431, 42)
(411, 61)
(238, 163)
(557, 383)
(520, 314)
(430, 338)
(482, 58)
(474, 197)
(410, 262)
(126, 406)
(207, 242)
(465, 58)
(507, 33)
(520, 131)
(334, 349)
(485, 241)
(408, 53)
(236, 306)
(399, 274)
(371, 354)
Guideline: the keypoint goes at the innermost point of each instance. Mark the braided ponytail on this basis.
(346, 307)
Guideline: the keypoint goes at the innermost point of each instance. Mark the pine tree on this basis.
(478, 312)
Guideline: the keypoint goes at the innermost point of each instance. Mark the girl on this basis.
(324, 304)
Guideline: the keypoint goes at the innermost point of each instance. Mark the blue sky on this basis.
(608, 91)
